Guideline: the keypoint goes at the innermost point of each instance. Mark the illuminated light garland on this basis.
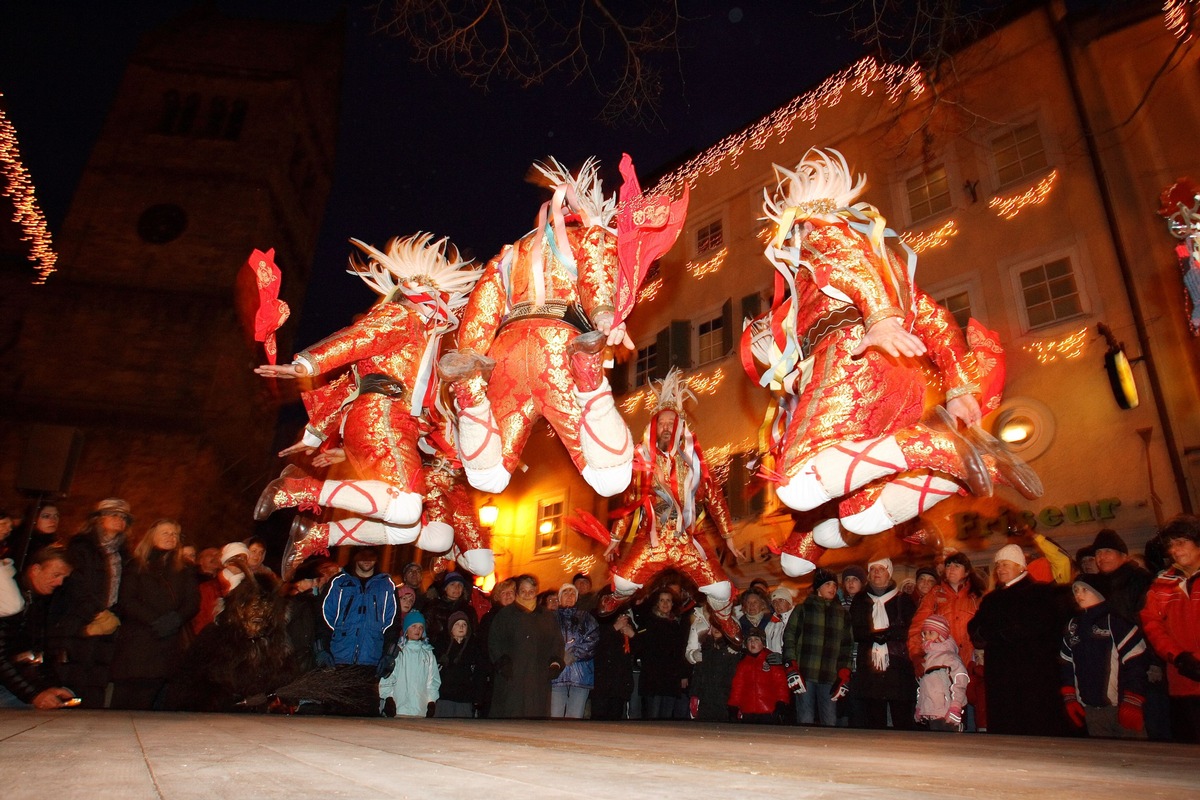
(1178, 16)
(575, 563)
(26, 212)
(650, 290)
(1049, 350)
(720, 458)
(708, 266)
(920, 242)
(865, 76)
(644, 398)
(1009, 207)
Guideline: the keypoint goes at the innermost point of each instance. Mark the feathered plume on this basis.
(820, 185)
(586, 195)
(672, 392)
(417, 267)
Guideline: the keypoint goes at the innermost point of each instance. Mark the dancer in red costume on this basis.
(842, 337)
(532, 340)
(673, 492)
(392, 351)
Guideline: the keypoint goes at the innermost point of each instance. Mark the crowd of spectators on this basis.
(1044, 644)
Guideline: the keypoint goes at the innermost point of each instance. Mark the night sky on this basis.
(419, 150)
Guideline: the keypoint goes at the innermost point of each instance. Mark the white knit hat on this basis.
(784, 593)
(885, 562)
(1011, 552)
(234, 549)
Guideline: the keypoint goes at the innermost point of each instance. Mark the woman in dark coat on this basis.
(526, 649)
(660, 643)
(158, 594)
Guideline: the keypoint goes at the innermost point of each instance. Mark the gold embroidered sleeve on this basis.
(718, 507)
(947, 348)
(596, 262)
(484, 310)
(844, 260)
(386, 327)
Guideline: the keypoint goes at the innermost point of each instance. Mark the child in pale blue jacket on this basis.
(414, 682)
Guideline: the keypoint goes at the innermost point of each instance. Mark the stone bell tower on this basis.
(221, 140)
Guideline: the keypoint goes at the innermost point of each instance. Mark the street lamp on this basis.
(1120, 373)
(488, 514)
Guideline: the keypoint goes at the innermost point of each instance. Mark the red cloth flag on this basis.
(647, 227)
(259, 307)
(989, 359)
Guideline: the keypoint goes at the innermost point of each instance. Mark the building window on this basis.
(1050, 293)
(710, 237)
(959, 305)
(647, 362)
(549, 533)
(928, 193)
(1018, 153)
(711, 340)
(218, 108)
(187, 118)
(237, 118)
(170, 112)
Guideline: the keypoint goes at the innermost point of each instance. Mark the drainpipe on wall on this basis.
(1056, 13)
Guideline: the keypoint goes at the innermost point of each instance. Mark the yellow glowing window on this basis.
(549, 526)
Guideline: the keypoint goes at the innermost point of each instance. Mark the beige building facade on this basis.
(1029, 183)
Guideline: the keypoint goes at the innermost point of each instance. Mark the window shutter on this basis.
(681, 344)
(662, 356)
(618, 377)
(751, 306)
(727, 333)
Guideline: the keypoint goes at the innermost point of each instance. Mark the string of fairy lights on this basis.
(1179, 16)
(1009, 207)
(18, 186)
(1065, 347)
(920, 242)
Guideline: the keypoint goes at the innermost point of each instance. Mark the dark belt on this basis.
(932, 670)
(378, 383)
(570, 313)
(842, 317)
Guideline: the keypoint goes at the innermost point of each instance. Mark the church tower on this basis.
(221, 140)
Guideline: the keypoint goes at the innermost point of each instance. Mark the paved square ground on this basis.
(92, 754)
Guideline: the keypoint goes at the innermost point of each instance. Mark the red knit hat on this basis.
(936, 622)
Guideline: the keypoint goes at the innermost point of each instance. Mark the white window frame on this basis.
(697, 348)
(972, 286)
(636, 381)
(705, 222)
(951, 189)
(1080, 271)
(543, 503)
(993, 165)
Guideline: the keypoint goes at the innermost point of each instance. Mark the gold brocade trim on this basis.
(959, 391)
(882, 314)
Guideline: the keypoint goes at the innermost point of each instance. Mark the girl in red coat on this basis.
(760, 692)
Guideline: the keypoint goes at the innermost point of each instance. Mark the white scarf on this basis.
(880, 622)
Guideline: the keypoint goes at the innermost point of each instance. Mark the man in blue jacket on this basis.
(360, 609)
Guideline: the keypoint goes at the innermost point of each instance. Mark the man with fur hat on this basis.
(817, 651)
(1019, 624)
(1171, 620)
(880, 617)
(88, 628)
(1103, 667)
(674, 495)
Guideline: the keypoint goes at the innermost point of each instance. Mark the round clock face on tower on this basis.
(161, 223)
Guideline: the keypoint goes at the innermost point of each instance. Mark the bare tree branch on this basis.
(609, 44)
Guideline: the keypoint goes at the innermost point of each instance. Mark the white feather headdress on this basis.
(586, 187)
(417, 267)
(672, 392)
(819, 186)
